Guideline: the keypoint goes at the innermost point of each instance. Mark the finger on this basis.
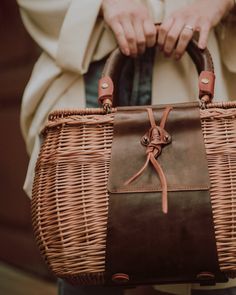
(172, 37)
(163, 31)
(130, 36)
(140, 37)
(203, 35)
(185, 36)
(150, 33)
(120, 37)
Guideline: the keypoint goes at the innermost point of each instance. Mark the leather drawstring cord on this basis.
(154, 140)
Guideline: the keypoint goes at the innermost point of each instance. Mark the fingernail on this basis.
(201, 46)
(177, 57)
(127, 51)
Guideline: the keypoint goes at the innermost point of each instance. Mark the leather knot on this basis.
(154, 140)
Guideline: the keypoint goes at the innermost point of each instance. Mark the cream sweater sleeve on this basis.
(226, 33)
(69, 31)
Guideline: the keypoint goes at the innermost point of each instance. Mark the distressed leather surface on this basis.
(183, 160)
(143, 242)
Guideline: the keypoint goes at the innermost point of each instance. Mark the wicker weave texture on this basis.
(219, 130)
(70, 199)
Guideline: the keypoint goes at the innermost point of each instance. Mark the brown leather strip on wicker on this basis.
(142, 242)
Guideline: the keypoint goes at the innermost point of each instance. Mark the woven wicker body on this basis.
(70, 198)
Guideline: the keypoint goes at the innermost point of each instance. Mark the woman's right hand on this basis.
(131, 24)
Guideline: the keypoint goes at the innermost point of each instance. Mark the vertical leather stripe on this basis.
(143, 244)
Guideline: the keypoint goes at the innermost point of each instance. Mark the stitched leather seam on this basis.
(154, 189)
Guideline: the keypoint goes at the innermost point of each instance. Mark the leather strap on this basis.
(154, 140)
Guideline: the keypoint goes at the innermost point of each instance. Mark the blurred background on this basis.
(21, 269)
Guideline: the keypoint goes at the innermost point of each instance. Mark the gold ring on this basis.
(189, 27)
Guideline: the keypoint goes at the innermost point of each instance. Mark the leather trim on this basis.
(152, 247)
(105, 89)
(187, 146)
(206, 84)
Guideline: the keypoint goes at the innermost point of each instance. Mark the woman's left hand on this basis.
(201, 16)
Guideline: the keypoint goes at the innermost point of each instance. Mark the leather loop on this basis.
(105, 90)
(112, 69)
(206, 84)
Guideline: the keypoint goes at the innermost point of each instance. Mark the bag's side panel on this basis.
(219, 130)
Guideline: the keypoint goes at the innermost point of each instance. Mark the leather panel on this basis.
(143, 243)
(187, 147)
(164, 248)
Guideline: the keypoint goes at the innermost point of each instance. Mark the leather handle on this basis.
(201, 58)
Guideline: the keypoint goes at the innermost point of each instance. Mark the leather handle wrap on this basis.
(201, 58)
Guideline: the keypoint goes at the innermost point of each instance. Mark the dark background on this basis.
(18, 54)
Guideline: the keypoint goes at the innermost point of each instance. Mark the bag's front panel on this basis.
(143, 243)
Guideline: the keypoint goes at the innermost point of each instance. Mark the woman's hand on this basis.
(177, 30)
(131, 24)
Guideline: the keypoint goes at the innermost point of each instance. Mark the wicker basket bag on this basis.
(71, 201)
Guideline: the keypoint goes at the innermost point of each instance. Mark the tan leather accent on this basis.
(105, 90)
(206, 84)
(187, 146)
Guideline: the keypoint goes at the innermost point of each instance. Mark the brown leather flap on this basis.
(183, 161)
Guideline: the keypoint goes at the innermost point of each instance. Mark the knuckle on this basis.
(150, 33)
(138, 13)
(206, 24)
(163, 30)
(185, 36)
(110, 20)
(112, 17)
(130, 38)
(118, 32)
(141, 42)
(170, 38)
(179, 51)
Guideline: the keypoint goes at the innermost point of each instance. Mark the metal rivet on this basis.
(167, 138)
(120, 278)
(144, 141)
(105, 85)
(205, 81)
